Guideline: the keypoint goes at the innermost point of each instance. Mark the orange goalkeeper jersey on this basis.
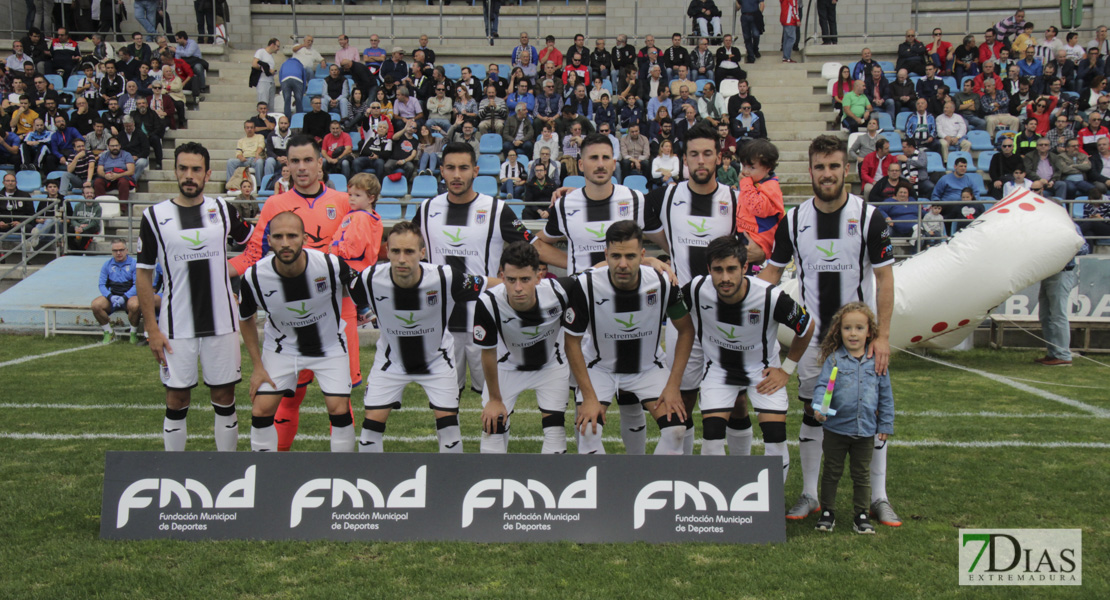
(322, 214)
(759, 210)
(358, 239)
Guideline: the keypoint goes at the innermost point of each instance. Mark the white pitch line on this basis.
(319, 410)
(536, 438)
(1100, 412)
(19, 361)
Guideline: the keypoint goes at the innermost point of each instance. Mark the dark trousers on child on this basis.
(859, 450)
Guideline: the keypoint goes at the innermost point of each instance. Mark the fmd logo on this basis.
(1021, 557)
(751, 497)
(410, 493)
(579, 495)
(238, 493)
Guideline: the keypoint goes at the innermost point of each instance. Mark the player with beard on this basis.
(322, 210)
(842, 249)
(187, 236)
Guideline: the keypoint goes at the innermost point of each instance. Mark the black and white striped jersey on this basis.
(469, 237)
(303, 312)
(583, 222)
(625, 326)
(190, 244)
(526, 341)
(690, 221)
(835, 253)
(414, 338)
(740, 340)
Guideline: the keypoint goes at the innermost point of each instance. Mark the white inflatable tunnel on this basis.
(942, 294)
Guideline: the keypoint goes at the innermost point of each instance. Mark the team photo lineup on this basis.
(466, 289)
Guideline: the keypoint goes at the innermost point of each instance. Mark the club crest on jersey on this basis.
(480, 216)
(321, 284)
(213, 217)
(652, 297)
(753, 317)
(722, 207)
(332, 213)
(433, 298)
(624, 208)
(853, 227)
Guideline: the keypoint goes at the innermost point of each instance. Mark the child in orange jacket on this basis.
(359, 237)
(760, 204)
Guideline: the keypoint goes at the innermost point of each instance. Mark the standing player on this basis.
(187, 235)
(323, 210)
(300, 289)
(622, 305)
(736, 318)
(412, 300)
(841, 246)
(466, 230)
(519, 326)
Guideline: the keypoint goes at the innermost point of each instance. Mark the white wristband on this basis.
(788, 366)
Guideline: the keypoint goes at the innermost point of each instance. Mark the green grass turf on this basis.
(50, 499)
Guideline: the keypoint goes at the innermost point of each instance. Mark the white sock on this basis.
(633, 429)
(688, 439)
(670, 438)
(494, 443)
(263, 435)
(226, 427)
(371, 438)
(447, 432)
(134, 329)
(343, 438)
(174, 432)
(809, 448)
(554, 440)
(739, 438)
(878, 471)
(590, 442)
(107, 327)
(712, 447)
(779, 449)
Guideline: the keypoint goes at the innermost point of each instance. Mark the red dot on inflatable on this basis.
(1003, 210)
(939, 327)
(1039, 200)
(915, 339)
(964, 322)
(1027, 206)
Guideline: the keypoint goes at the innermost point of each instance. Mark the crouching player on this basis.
(519, 326)
(301, 291)
(736, 318)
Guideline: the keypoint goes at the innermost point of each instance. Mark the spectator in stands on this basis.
(674, 56)
(751, 24)
(15, 207)
(83, 219)
(632, 113)
(38, 47)
(14, 61)
(374, 55)
(135, 143)
(405, 150)
(1026, 141)
(127, 65)
(635, 152)
(902, 91)
(550, 53)
(113, 116)
(1099, 175)
(1065, 70)
(901, 216)
(463, 131)
(537, 193)
(175, 90)
(911, 54)
(1022, 98)
(318, 122)
(952, 131)
(572, 146)
(1046, 50)
(885, 187)
(153, 126)
(950, 188)
(61, 144)
(875, 164)
(1078, 166)
(1060, 134)
(1047, 167)
(465, 106)
(575, 72)
(915, 169)
(964, 59)
(1011, 25)
(76, 166)
(939, 50)
(702, 62)
(336, 92)
(826, 17)
(844, 84)
(1095, 84)
(309, 57)
(790, 18)
(865, 144)
(517, 132)
(995, 107)
(748, 125)
(524, 48)
(263, 122)
(337, 149)
(863, 67)
(1042, 110)
(988, 73)
(601, 61)
(936, 103)
(377, 146)
(23, 118)
(292, 77)
(1019, 182)
(570, 116)
(36, 147)
(44, 226)
(396, 66)
(161, 104)
(547, 139)
(440, 109)
(706, 16)
(512, 177)
(727, 59)
(1002, 167)
(277, 143)
(547, 159)
(492, 112)
(1030, 65)
(856, 106)
(189, 52)
(604, 112)
(726, 173)
(1091, 134)
(990, 48)
(1074, 51)
(364, 80)
(681, 78)
(250, 151)
(428, 148)
(494, 78)
(624, 59)
(263, 69)
(969, 106)
(1025, 39)
(63, 54)
(97, 140)
(665, 166)
(406, 107)
(690, 120)
(685, 98)
(117, 292)
(927, 86)
(128, 99)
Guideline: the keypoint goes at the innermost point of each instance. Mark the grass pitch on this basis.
(969, 452)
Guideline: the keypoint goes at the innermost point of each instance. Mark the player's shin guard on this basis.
(554, 434)
(774, 443)
(371, 438)
(713, 436)
(288, 418)
(173, 429)
(688, 438)
(671, 433)
(633, 428)
(263, 435)
(342, 432)
(496, 442)
(226, 427)
(810, 438)
(590, 442)
(878, 471)
(447, 432)
(739, 434)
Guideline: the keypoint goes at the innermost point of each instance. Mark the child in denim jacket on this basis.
(864, 406)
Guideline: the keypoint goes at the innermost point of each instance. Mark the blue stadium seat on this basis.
(356, 139)
(1001, 133)
(28, 181)
(636, 182)
(335, 117)
(57, 175)
(886, 65)
(486, 184)
(297, 122)
(315, 88)
(55, 80)
(452, 71)
(424, 186)
(985, 160)
(262, 191)
(900, 120)
(394, 189)
(477, 70)
(72, 83)
(574, 181)
(980, 140)
(954, 154)
(504, 70)
(338, 182)
(321, 72)
(890, 76)
(936, 163)
(1078, 207)
(607, 85)
(390, 211)
(884, 120)
(490, 143)
(700, 84)
(895, 140)
(976, 179)
(489, 164)
(950, 81)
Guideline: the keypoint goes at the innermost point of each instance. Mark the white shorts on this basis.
(218, 355)
(385, 390)
(809, 370)
(695, 367)
(468, 353)
(718, 397)
(647, 385)
(550, 385)
(332, 372)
